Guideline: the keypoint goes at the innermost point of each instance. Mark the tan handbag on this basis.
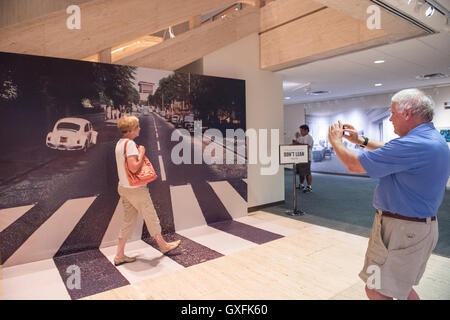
(144, 175)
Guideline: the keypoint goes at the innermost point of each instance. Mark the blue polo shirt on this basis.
(413, 171)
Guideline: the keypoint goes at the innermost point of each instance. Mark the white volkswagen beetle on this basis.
(72, 134)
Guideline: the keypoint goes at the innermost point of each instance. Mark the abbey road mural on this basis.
(58, 174)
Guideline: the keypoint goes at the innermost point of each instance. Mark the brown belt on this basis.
(397, 216)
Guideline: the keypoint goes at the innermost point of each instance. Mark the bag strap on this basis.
(125, 149)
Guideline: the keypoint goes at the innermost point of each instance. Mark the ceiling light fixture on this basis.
(379, 61)
(171, 33)
(430, 11)
(287, 98)
(378, 84)
(430, 76)
(317, 93)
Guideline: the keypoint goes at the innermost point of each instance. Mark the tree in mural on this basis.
(215, 100)
(60, 85)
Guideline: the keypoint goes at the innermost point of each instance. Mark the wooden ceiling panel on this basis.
(104, 24)
(282, 11)
(175, 53)
(328, 32)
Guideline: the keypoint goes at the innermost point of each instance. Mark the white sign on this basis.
(290, 154)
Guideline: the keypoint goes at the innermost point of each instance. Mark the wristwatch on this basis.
(364, 144)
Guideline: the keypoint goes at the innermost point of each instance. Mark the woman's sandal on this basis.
(124, 260)
(172, 245)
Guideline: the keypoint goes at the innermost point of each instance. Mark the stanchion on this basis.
(295, 211)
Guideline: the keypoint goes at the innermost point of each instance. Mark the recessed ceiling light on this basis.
(287, 98)
(378, 61)
(378, 84)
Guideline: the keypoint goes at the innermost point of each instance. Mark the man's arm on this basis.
(353, 137)
(348, 158)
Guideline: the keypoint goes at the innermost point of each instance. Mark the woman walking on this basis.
(135, 199)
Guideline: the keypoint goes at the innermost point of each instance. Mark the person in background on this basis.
(304, 169)
(135, 199)
(413, 171)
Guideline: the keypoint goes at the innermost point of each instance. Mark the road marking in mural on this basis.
(245, 180)
(186, 210)
(232, 201)
(159, 147)
(161, 166)
(112, 233)
(143, 268)
(10, 215)
(38, 280)
(46, 241)
(217, 240)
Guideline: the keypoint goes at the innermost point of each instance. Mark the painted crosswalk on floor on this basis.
(216, 234)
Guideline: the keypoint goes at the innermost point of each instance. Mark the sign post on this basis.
(293, 154)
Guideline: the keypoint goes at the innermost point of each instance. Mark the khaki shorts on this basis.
(303, 169)
(399, 250)
(137, 200)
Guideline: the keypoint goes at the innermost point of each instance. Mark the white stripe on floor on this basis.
(231, 199)
(186, 210)
(161, 167)
(112, 233)
(271, 227)
(150, 262)
(33, 281)
(8, 216)
(46, 241)
(217, 240)
(159, 147)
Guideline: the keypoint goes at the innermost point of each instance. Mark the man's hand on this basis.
(335, 133)
(352, 134)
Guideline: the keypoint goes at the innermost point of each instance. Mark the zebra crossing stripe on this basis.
(38, 280)
(150, 262)
(186, 210)
(8, 216)
(45, 241)
(161, 167)
(217, 240)
(233, 202)
(112, 233)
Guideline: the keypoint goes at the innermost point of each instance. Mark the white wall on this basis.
(439, 95)
(294, 117)
(264, 107)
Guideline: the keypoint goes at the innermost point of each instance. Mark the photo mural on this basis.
(373, 123)
(58, 173)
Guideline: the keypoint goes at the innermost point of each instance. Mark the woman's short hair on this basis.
(421, 105)
(128, 123)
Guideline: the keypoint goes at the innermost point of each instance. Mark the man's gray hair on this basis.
(421, 105)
